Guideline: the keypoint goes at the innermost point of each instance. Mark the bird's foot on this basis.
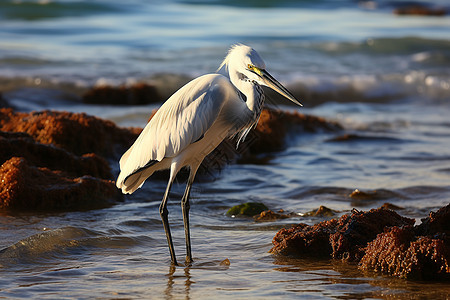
(189, 261)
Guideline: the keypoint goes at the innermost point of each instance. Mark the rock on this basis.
(27, 187)
(75, 132)
(436, 223)
(391, 206)
(269, 215)
(17, 144)
(305, 240)
(270, 135)
(359, 228)
(247, 209)
(225, 263)
(322, 211)
(399, 252)
(384, 253)
(343, 238)
(380, 240)
(420, 10)
(137, 94)
(48, 161)
(274, 126)
(360, 195)
(421, 252)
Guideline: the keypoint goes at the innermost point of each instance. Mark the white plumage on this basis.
(194, 121)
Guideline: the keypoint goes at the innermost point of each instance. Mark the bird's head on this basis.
(248, 65)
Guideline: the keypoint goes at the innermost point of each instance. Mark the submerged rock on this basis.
(388, 205)
(322, 211)
(249, 209)
(360, 195)
(269, 215)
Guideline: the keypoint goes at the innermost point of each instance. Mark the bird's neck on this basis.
(254, 95)
(253, 98)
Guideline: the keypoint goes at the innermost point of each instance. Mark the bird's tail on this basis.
(130, 183)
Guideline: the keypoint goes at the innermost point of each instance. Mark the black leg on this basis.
(185, 209)
(185, 206)
(164, 217)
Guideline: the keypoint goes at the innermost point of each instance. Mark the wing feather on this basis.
(182, 120)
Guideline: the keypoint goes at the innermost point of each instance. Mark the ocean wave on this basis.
(371, 88)
(48, 9)
(61, 242)
(387, 46)
(37, 93)
(373, 70)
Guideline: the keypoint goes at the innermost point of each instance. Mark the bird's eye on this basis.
(250, 67)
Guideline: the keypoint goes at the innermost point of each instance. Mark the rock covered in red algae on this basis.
(137, 94)
(400, 253)
(270, 135)
(18, 144)
(78, 133)
(274, 126)
(381, 240)
(49, 160)
(302, 239)
(421, 252)
(436, 223)
(343, 238)
(420, 10)
(32, 188)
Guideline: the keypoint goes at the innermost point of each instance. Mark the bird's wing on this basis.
(183, 119)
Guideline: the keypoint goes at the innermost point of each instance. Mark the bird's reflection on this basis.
(172, 278)
(170, 282)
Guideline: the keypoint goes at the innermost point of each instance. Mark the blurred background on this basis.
(324, 50)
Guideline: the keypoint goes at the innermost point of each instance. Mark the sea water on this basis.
(385, 78)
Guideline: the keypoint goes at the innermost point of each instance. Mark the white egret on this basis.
(193, 122)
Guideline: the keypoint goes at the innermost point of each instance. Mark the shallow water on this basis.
(387, 82)
(121, 252)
